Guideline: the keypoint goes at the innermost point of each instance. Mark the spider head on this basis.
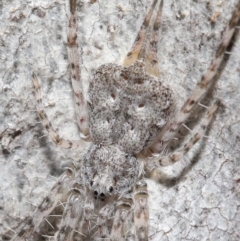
(108, 171)
(102, 186)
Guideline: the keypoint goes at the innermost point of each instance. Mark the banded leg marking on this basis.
(80, 144)
(133, 55)
(46, 207)
(71, 215)
(122, 223)
(170, 129)
(177, 155)
(141, 211)
(80, 101)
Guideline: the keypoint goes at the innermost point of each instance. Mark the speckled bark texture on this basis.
(202, 200)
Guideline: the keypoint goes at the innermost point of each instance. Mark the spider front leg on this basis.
(170, 129)
(104, 217)
(84, 227)
(72, 214)
(141, 211)
(59, 190)
(122, 222)
(131, 210)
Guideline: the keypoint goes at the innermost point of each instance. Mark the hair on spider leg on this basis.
(49, 223)
(80, 233)
(47, 236)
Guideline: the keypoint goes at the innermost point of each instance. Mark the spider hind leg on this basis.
(141, 48)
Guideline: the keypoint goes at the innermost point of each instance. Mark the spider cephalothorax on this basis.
(108, 171)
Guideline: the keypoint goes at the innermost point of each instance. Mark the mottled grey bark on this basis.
(203, 204)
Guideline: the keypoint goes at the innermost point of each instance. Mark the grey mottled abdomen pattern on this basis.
(128, 106)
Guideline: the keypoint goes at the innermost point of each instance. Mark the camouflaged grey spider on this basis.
(130, 119)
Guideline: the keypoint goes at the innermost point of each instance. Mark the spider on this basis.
(127, 123)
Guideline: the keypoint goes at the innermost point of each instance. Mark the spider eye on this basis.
(111, 189)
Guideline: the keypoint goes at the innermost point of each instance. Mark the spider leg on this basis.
(177, 155)
(152, 48)
(80, 101)
(80, 144)
(138, 44)
(122, 223)
(123, 218)
(102, 220)
(170, 129)
(46, 207)
(84, 226)
(71, 215)
(141, 213)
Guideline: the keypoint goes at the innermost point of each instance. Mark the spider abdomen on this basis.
(128, 106)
